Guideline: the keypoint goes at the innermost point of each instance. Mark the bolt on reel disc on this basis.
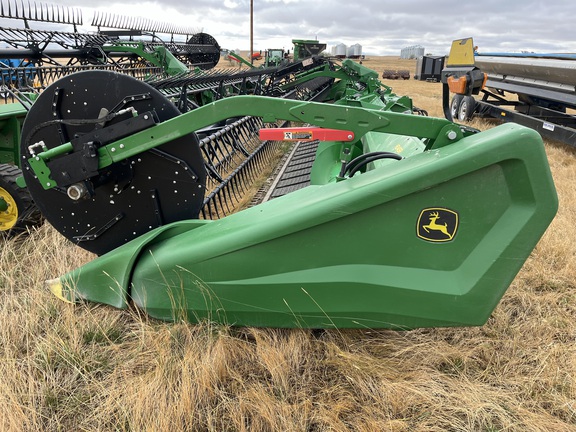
(120, 202)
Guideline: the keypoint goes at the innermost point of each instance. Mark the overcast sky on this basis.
(381, 27)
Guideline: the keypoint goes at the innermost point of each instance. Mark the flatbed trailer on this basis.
(535, 90)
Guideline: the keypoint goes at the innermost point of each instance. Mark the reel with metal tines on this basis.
(103, 19)
(40, 12)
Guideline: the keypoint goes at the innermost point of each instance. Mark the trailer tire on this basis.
(455, 106)
(466, 108)
(17, 210)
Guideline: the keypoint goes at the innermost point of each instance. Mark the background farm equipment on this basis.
(429, 68)
(303, 49)
(535, 90)
(110, 44)
(396, 74)
(275, 57)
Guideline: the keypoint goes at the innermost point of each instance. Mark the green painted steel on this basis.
(240, 59)
(160, 56)
(434, 239)
(436, 131)
(11, 117)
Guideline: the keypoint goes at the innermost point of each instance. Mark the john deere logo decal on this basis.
(437, 224)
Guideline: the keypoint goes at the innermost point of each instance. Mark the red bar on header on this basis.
(305, 134)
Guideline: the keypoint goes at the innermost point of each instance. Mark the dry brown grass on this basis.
(91, 367)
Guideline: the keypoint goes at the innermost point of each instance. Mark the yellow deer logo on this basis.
(436, 226)
(431, 230)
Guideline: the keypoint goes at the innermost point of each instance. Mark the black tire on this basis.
(455, 105)
(17, 210)
(466, 108)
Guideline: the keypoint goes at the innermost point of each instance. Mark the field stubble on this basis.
(91, 367)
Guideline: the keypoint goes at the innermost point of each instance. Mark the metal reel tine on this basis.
(231, 198)
(46, 13)
(104, 20)
(206, 209)
(10, 11)
(114, 21)
(157, 27)
(227, 192)
(250, 168)
(95, 18)
(208, 206)
(139, 24)
(215, 207)
(37, 12)
(243, 177)
(211, 210)
(222, 197)
(53, 13)
(219, 197)
(233, 186)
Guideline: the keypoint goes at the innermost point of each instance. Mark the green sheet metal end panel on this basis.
(107, 278)
(432, 240)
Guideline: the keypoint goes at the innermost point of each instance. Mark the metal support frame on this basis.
(437, 132)
(543, 125)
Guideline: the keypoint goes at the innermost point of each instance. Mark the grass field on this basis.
(94, 368)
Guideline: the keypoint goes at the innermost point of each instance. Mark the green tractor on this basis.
(17, 210)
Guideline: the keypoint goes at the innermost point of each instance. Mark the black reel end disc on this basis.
(118, 203)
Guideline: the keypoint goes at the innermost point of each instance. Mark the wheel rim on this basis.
(455, 106)
(464, 110)
(8, 210)
(454, 110)
(467, 108)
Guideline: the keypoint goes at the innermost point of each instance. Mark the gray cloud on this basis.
(381, 27)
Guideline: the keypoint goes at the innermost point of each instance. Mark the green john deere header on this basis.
(380, 217)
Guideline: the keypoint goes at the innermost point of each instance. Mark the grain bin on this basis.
(340, 50)
(354, 51)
